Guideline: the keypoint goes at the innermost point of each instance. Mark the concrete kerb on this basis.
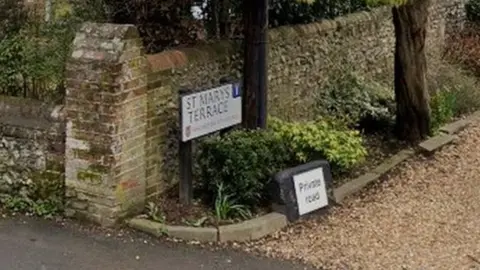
(357, 184)
(272, 222)
(253, 229)
(436, 143)
(431, 145)
(456, 126)
(248, 230)
(147, 226)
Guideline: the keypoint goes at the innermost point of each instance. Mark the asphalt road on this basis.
(33, 244)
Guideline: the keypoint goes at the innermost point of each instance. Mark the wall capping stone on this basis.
(30, 108)
(178, 58)
(109, 31)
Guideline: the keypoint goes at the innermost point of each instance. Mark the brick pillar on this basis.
(106, 105)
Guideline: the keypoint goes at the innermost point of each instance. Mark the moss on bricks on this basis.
(97, 151)
(88, 176)
(55, 165)
(100, 169)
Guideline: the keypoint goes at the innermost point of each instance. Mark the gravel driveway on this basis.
(425, 216)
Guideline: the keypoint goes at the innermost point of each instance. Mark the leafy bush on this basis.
(459, 70)
(242, 162)
(443, 108)
(467, 96)
(34, 66)
(354, 98)
(42, 196)
(226, 207)
(343, 148)
(34, 55)
(224, 18)
(285, 12)
(162, 24)
(464, 49)
(154, 213)
(462, 84)
(472, 8)
(12, 64)
(13, 16)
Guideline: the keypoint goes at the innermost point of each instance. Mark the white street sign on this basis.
(210, 111)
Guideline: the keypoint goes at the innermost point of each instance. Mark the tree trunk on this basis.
(215, 18)
(255, 82)
(224, 20)
(411, 94)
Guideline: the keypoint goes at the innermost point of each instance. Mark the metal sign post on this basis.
(203, 113)
(186, 173)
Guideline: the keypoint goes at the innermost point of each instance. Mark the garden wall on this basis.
(32, 143)
(301, 59)
(121, 106)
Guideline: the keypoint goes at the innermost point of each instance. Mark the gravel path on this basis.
(425, 216)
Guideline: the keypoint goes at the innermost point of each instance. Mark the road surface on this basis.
(34, 244)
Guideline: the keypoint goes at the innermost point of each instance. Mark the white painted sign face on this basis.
(310, 190)
(210, 111)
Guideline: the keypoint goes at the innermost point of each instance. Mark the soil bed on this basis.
(380, 146)
(197, 215)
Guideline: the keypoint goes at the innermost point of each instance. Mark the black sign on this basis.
(288, 183)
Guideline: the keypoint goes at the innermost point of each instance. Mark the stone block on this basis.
(354, 186)
(207, 234)
(435, 143)
(455, 127)
(147, 226)
(69, 212)
(79, 205)
(393, 161)
(253, 229)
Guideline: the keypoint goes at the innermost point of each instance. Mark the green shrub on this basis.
(13, 16)
(467, 98)
(473, 10)
(242, 162)
(354, 98)
(33, 54)
(43, 195)
(226, 207)
(286, 12)
(34, 66)
(12, 64)
(342, 147)
(457, 93)
(460, 83)
(443, 108)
